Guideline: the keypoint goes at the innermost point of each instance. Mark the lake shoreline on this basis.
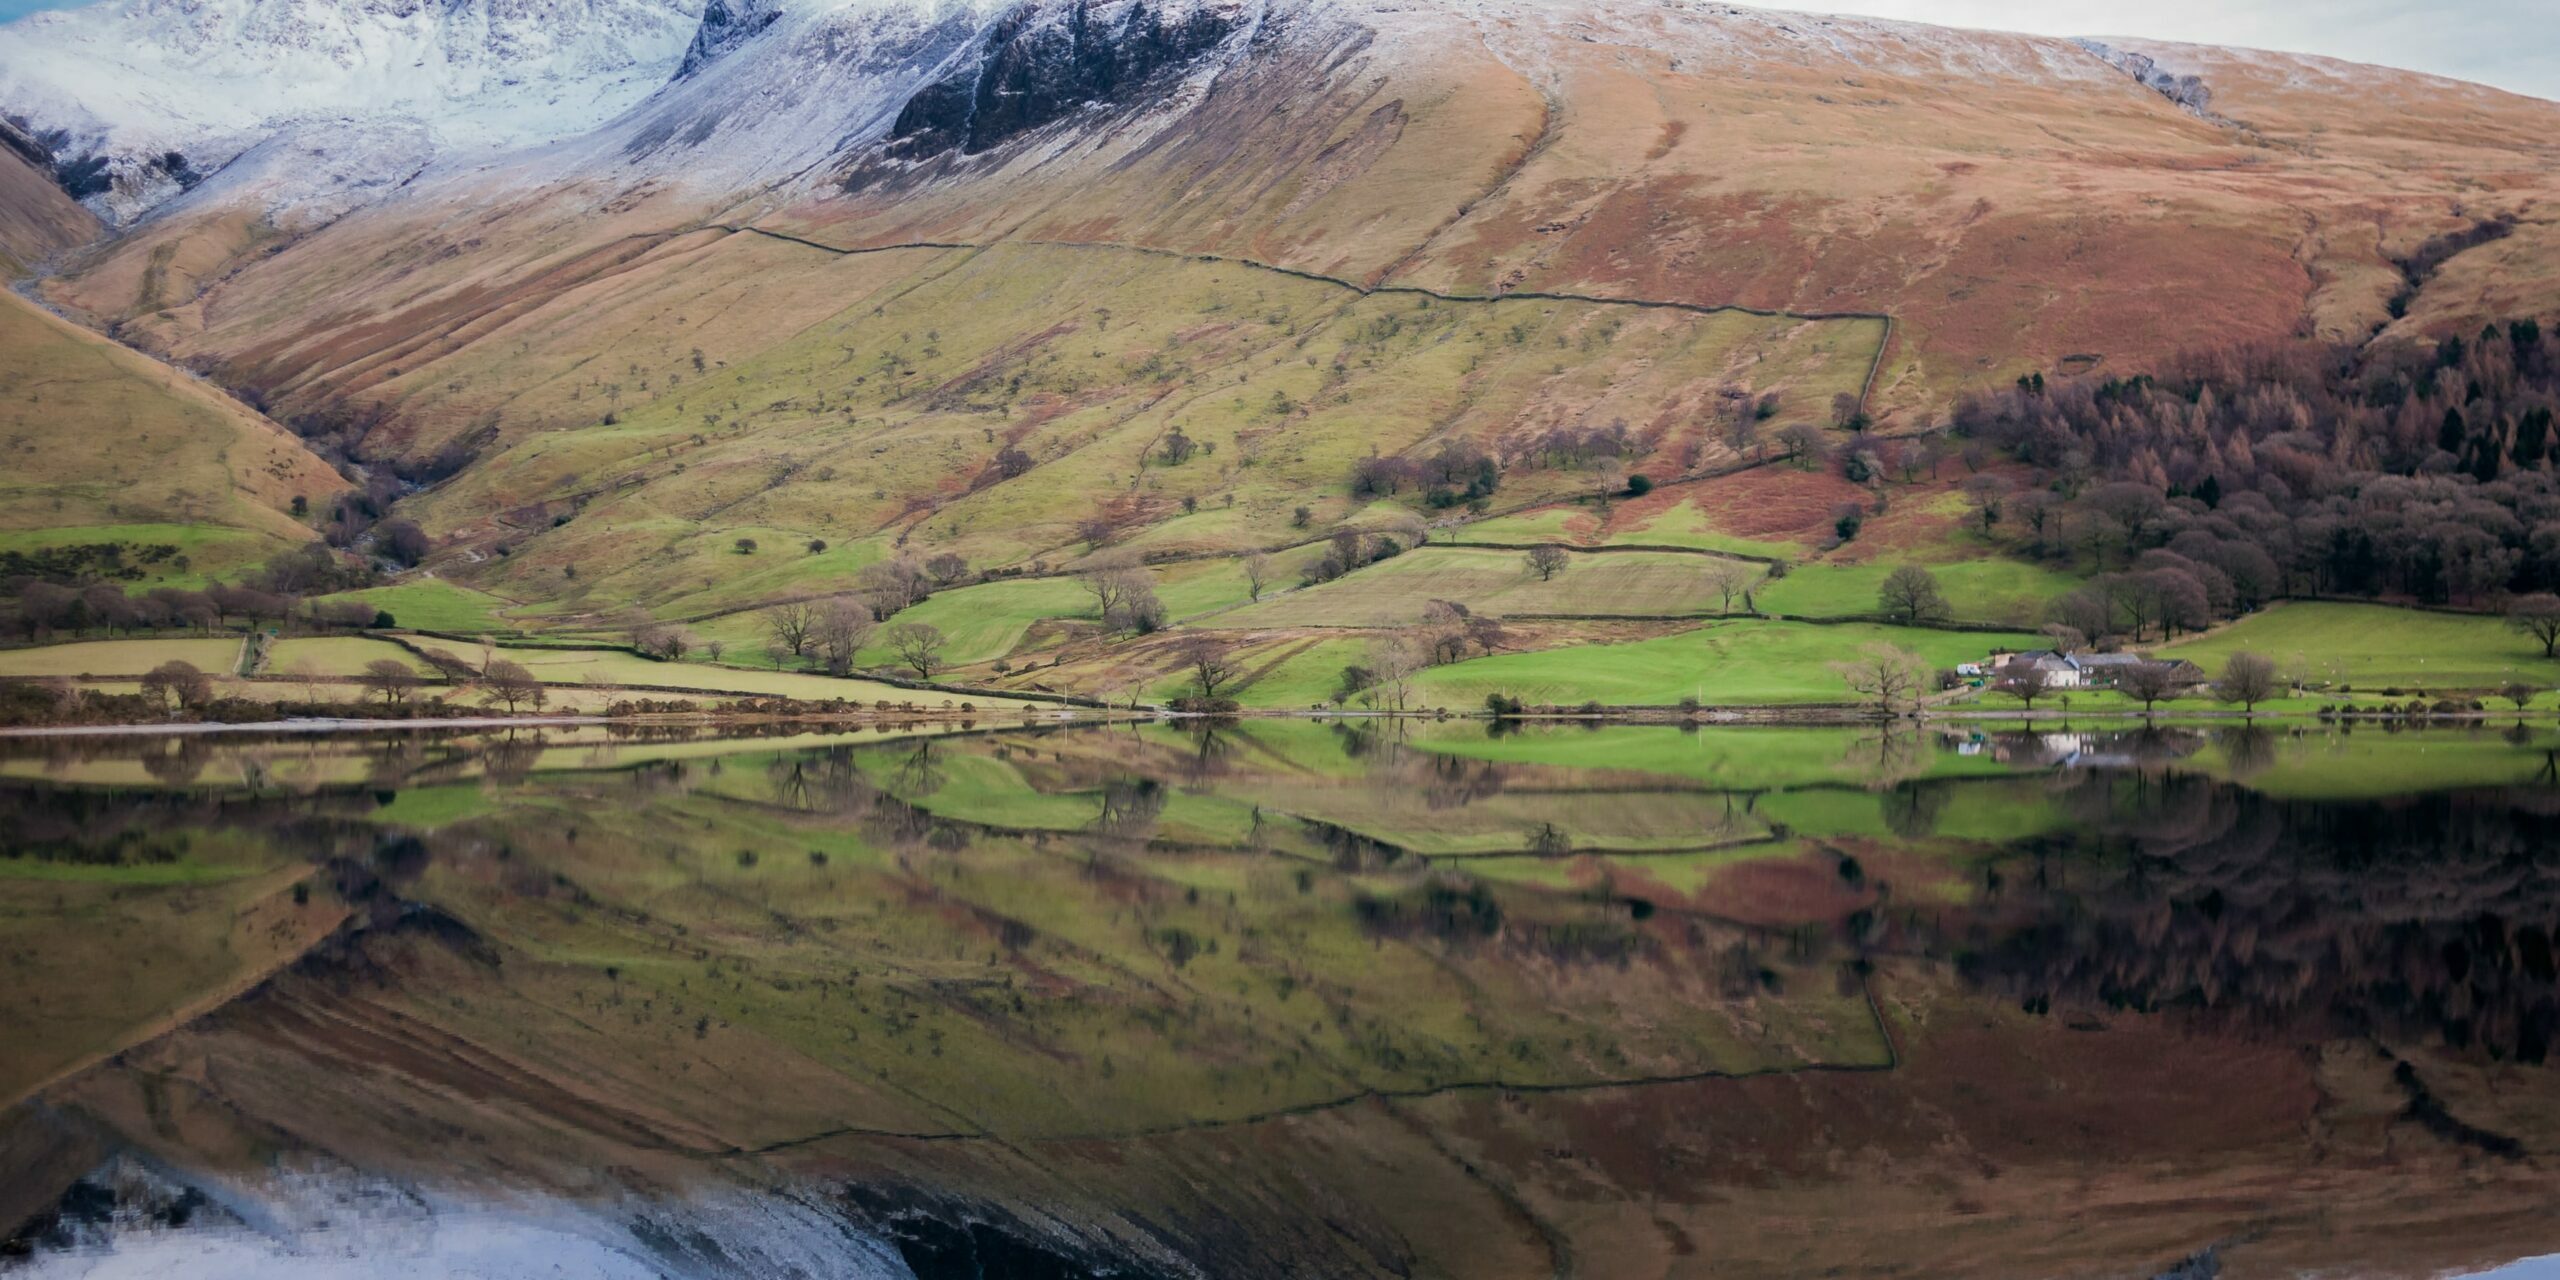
(1727, 718)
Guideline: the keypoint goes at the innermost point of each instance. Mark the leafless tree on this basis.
(1111, 578)
(948, 567)
(2537, 617)
(1257, 574)
(2521, 693)
(1730, 580)
(842, 630)
(789, 624)
(2024, 682)
(1805, 445)
(2149, 683)
(309, 676)
(1547, 562)
(2247, 679)
(1989, 495)
(511, 683)
(918, 645)
(1394, 661)
(1911, 596)
(177, 683)
(1889, 678)
(893, 586)
(1212, 663)
(390, 679)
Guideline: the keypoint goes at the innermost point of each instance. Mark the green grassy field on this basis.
(348, 655)
(216, 655)
(1305, 678)
(2369, 647)
(1394, 592)
(1684, 525)
(211, 551)
(432, 604)
(1986, 590)
(1726, 663)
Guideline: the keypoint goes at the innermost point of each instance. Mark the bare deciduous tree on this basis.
(2149, 683)
(1730, 580)
(843, 628)
(1257, 574)
(1393, 663)
(2247, 679)
(512, 684)
(918, 646)
(1111, 578)
(789, 624)
(2024, 682)
(177, 683)
(1547, 562)
(1212, 663)
(390, 679)
(2537, 617)
(1889, 678)
(1911, 596)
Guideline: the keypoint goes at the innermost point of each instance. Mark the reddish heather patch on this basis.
(1780, 892)
(1777, 503)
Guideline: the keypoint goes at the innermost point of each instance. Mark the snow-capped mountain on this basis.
(141, 99)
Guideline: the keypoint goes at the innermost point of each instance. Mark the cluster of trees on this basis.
(833, 634)
(1458, 473)
(2242, 474)
(1124, 596)
(75, 595)
(1350, 549)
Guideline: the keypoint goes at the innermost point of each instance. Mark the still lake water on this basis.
(1280, 999)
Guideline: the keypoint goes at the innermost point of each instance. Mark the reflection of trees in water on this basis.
(1911, 809)
(919, 772)
(2247, 750)
(1454, 782)
(1212, 751)
(1130, 807)
(178, 760)
(828, 780)
(2427, 917)
(508, 760)
(1889, 754)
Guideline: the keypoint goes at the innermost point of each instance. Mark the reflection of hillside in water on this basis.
(1313, 1000)
(2424, 919)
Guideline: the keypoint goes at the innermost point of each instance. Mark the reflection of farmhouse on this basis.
(2104, 750)
(2085, 670)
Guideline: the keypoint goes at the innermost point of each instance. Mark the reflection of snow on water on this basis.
(298, 1224)
(461, 1248)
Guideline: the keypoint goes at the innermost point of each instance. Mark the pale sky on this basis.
(2513, 44)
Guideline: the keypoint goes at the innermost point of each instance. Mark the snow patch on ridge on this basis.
(133, 80)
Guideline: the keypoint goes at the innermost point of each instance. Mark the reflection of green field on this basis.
(1741, 759)
(1988, 810)
(1726, 663)
(103, 954)
(1177, 989)
(2370, 762)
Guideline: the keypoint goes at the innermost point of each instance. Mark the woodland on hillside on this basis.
(2236, 476)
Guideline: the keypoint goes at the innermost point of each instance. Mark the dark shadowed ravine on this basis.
(1281, 998)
